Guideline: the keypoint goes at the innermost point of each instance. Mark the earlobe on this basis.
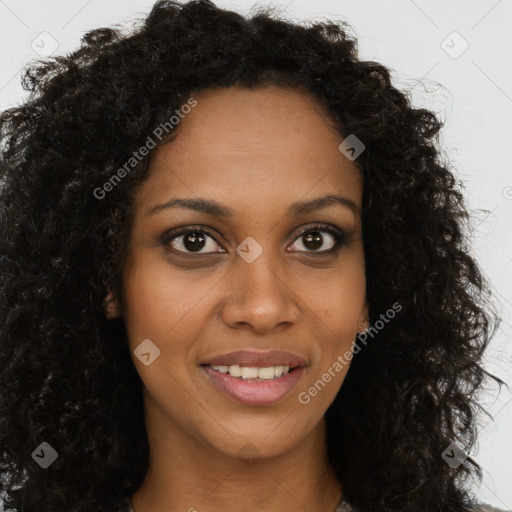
(364, 324)
(110, 305)
(365, 321)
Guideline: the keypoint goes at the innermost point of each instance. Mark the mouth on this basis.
(254, 386)
(254, 377)
(255, 373)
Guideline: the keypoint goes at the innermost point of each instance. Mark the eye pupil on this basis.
(313, 240)
(193, 241)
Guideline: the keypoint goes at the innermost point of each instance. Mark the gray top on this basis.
(344, 506)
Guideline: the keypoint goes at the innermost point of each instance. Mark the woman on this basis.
(234, 277)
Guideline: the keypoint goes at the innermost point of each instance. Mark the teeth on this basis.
(267, 373)
(233, 370)
(249, 373)
(253, 372)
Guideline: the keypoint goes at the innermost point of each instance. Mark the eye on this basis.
(197, 240)
(311, 239)
(191, 240)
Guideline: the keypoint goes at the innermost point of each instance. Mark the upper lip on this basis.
(252, 358)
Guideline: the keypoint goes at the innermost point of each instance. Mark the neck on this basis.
(190, 475)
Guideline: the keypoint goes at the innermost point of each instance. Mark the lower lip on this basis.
(254, 392)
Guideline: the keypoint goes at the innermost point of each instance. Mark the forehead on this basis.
(269, 145)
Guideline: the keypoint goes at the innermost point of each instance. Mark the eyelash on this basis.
(340, 237)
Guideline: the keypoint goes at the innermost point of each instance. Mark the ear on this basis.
(110, 305)
(364, 321)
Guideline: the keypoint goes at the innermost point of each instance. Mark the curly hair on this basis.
(67, 374)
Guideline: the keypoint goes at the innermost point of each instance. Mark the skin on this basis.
(257, 152)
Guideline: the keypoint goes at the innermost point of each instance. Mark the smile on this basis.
(253, 372)
(256, 386)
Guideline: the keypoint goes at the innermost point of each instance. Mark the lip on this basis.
(254, 392)
(255, 358)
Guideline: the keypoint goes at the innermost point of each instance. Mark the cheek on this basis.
(335, 319)
(160, 307)
(337, 295)
(157, 298)
(336, 301)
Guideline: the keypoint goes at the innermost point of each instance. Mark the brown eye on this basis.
(198, 240)
(313, 238)
(192, 241)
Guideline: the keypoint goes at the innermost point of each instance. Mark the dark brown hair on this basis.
(67, 377)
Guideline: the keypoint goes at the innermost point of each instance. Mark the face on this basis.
(254, 273)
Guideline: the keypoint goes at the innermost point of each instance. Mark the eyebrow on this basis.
(211, 207)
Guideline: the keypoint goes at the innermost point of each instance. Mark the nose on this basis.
(260, 296)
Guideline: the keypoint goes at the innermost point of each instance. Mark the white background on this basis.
(471, 92)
